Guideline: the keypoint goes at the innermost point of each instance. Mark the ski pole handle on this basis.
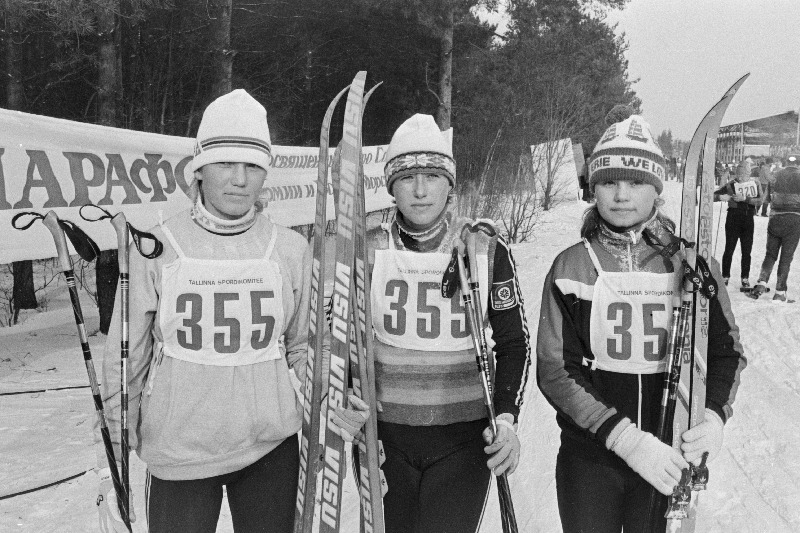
(50, 221)
(487, 366)
(120, 224)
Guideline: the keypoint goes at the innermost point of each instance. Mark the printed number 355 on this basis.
(427, 328)
(192, 337)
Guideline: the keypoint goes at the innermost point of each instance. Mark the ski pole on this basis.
(56, 228)
(673, 352)
(121, 227)
(716, 235)
(123, 230)
(507, 516)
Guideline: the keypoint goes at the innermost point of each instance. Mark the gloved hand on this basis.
(504, 450)
(704, 437)
(107, 506)
(350, 420)
(658, 463)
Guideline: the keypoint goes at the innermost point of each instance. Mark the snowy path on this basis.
(754, 487)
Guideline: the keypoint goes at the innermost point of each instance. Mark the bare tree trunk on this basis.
(446, 71)
(107, 74)
(221, 53)
(106, 268)
(23, 294)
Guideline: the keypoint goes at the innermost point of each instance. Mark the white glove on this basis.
(107, 506)
(704, 437)
(504, 450)
(350, 420)
(658, 463)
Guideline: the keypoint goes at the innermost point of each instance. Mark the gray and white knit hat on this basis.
(420, 147)
(233, 129)
(627, 151)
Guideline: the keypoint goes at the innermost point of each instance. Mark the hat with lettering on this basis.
(420, 147)
(626, 151)
(233, 130)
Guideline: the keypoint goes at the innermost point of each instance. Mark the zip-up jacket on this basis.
(591, 403)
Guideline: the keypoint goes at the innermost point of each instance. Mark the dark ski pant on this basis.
(437, 477)
(783, 234)
(602, 496)
(739, 226)
(261, 497)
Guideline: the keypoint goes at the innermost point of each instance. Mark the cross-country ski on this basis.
(399, 267)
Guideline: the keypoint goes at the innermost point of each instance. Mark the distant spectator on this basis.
(766, 178)
(783, 230)
(744, 197)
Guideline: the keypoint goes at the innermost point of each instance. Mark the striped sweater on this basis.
(422, 387)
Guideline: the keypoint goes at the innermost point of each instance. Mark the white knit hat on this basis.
(234, 130)
(420, 147)
(626, 151)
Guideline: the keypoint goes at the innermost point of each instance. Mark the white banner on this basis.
(48, 163)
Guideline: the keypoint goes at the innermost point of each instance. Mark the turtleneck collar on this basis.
(214, 224)
(425, 240)
(633, 234)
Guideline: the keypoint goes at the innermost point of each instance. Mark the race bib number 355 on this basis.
(225, 317)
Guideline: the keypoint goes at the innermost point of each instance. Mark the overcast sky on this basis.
(686, 53)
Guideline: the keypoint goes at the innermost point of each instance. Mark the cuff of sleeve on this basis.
(506, 408)
(507, 419)
(716, 408)
(616, 432)
(712, 415)
(608, 426)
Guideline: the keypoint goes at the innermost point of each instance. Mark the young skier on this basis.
(606, 310)
(739, 225)
(783, 229)
(433, 421)
(216, 322)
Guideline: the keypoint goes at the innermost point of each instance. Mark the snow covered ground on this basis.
(755, 482)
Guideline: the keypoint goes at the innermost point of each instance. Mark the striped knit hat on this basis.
(626, 151)
(234, 130)
(419, 147)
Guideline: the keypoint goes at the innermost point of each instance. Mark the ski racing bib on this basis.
(631, 318)
(748, 189)
(221, 312)
(408, 310)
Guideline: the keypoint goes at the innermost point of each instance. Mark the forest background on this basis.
(555, 71)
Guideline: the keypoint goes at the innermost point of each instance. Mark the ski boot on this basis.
(725, 281)
(745, 287)
(780, 296)
(758, 290)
